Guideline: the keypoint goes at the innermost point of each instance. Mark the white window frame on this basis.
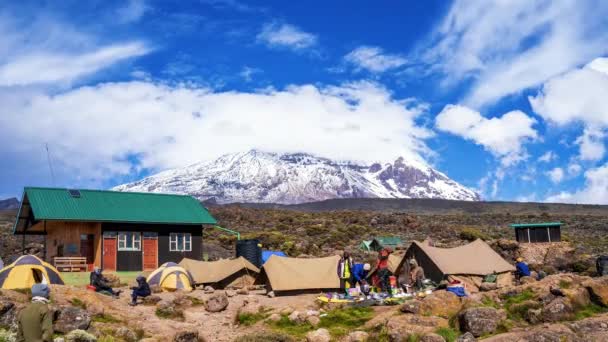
(176, 238)
(135, 241)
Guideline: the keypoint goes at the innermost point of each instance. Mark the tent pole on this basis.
(44, 244)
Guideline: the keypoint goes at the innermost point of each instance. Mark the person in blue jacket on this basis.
(360, 272)
(522, 269)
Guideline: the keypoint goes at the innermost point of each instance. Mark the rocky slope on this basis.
(260, 177)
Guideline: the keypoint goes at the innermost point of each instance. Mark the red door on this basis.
(150, 252)
(109, 254)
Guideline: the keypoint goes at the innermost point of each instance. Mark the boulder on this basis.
(411, 307)
(594, 328)
(526, 280)
(242, 292)
(186, 336)
(165, 308)
(559, 309)
(8, 313)
(400, 327)
(432, 338)
(297, 317)
(250, 308)
(126, 334)
(275, 317)
(598, 290)
(79, 336)
(216, 303)
(230, 293)
(320, 335)
(484, 287)
(467, 337)
(440, 303)
(182, 301)
(313, 320)
(480, 320)
(579, 297)
(312, 313)
(71, 318)
(208, 289)
(286, 311)
(151, 300)
(113, 280)
(357, 336)
(544, 333)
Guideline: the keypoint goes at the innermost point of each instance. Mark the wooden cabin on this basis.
(118, 231)
(538, 232)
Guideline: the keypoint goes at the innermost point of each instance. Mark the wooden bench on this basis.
(71, 264)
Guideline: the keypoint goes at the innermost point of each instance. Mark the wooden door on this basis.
(87, 247)
(150, 251)
(109, 253)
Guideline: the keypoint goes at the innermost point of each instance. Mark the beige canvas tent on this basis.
(295, 274)
(222, 273)
(468, 263)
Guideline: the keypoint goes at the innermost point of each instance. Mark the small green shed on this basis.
(538, 232)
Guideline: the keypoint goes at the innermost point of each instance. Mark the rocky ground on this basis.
(563, 307)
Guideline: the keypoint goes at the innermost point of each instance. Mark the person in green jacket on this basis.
(36, 320)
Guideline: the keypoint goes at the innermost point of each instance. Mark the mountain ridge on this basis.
(292, 178)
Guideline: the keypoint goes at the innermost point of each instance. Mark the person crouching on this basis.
(35, 321)
(141, 290)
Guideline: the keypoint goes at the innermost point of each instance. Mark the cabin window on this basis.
(129, 241)
(180, 242)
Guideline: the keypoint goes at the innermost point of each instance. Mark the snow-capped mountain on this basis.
(261, 177)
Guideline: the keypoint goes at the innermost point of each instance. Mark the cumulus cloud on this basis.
(574, 169)
(478, 41)
(591, 144)
(547, 157)
(132, 11)
(154, 126)
(248, 72)
(502, 136)
(284, 35)
(595, 190)
(374, 59)
(556, 175)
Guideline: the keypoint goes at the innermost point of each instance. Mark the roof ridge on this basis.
(108, 191)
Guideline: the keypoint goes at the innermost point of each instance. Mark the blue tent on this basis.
(266, 255)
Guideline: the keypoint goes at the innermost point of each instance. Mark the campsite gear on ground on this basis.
(171, 277)
(366, 289)
(468, 263)
(267, 254)
(223, 273)
(35, 321)
(490, 278)
(141, 290)
(601, 265)
(100, 282)
(26, 271)
(250, 250)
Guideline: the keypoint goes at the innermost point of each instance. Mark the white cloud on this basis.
(373, 58)
(503, 136)
(591, 144)
(50, 68)
(49, 51)
(574, 169)
(132, 11)
(548, 157)
(286, 36)
(479, 41)
(595, 190)
(248, 72)
(556, 175)
(93, 132)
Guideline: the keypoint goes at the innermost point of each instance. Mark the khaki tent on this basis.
(468, 263)
(295, 274)
(224, 273)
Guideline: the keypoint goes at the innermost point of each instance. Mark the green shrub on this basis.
(589, 311)
(449, 334)
(105, 318)
(80, 336)
(78, 303)
(518, 305)
(340, 322)
(564, 284)
(472, 234)
(249, 319)
(265, 337)
(7, 336)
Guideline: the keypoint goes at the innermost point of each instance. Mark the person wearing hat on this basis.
(345, 271)
(100, 282)
(360, 272)
(521, 268)
(35, 321)
(416, 274)
(141, 290)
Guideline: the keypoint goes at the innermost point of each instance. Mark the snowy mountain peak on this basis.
(289, 178)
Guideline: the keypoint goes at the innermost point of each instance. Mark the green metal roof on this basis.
(113, 206)
(389, 240)
(536, 225)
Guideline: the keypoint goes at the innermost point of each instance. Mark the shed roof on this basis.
(389, 240)
(108, 206)
(536, 225)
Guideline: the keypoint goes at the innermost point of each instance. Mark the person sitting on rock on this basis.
(416, 275)
(360, 272)
(141, 290)
(35, 321)
(521, 269)
(100, 283)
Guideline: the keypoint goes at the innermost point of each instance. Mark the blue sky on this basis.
(506, 97)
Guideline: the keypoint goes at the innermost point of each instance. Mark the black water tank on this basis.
(250, 250)
(602, 265)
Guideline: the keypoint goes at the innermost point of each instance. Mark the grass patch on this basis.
(589, 311)
(175, 314)
(340, 322)
(249, 319)
(563, 284)
(83, 278)
(105, 318)
(284, 325)
(449, 334)
(413, 338)
(489, 302)
(78, 303)
(518, 305)
(106, 338)
(472, 234)
(265, 337)
(196, 301)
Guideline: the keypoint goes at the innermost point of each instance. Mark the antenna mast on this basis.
(48, 157)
